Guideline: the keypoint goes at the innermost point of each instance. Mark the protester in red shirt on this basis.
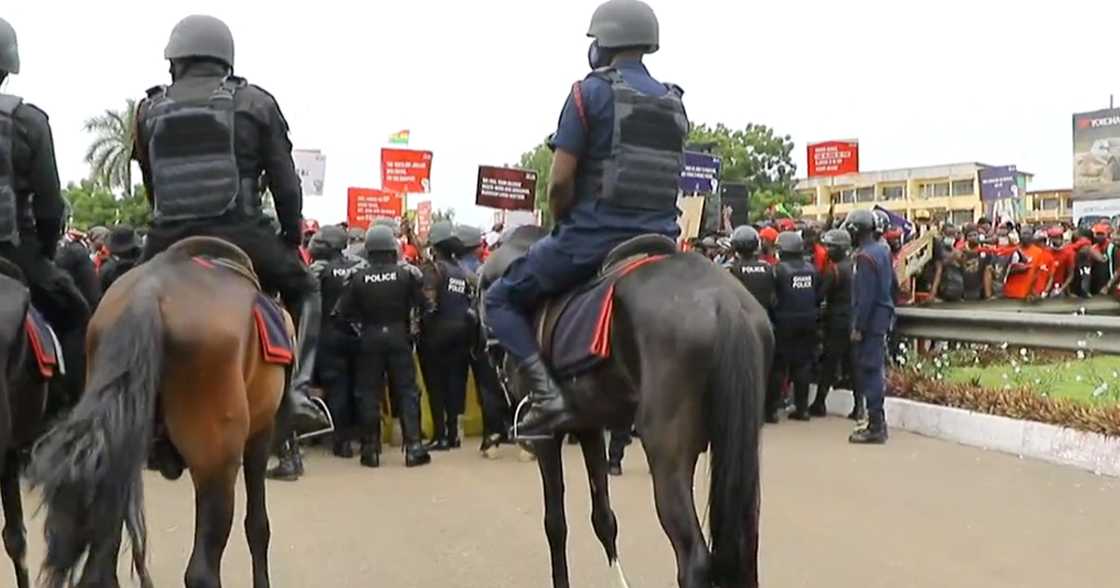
(1064, 260)
(768, 235)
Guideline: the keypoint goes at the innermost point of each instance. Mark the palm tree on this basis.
(110, 155)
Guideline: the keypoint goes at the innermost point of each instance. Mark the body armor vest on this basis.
(455, 295)
(838, 298)
(192, 155)
(384, 292)
(334, 278)
(797, 294)
(647, 149)
(9, 210)
(758, 277)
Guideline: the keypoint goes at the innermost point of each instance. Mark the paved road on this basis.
(917, 513)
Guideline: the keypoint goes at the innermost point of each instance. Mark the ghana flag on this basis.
(399, 138)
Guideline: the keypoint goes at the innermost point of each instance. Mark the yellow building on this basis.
(939, 192)
(1048, 206)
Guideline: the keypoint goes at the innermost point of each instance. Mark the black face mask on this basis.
(596, 57)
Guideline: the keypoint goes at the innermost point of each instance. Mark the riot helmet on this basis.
(790, 243)
(200, 35)
(744, 240)
(620, 24)
(469, 236)
(859, 223)
(380, 239)
(9, 49)
(838, 242)
(332, 236)
(393, 224)
(441, 232)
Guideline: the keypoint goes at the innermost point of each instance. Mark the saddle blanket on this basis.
(43, 343)
(575, 329)
(276, 344)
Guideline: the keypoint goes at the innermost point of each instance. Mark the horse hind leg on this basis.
(15, 535)
(214, 499)
(676, 507)
(603, 519)
(257, 529)
(550, 463)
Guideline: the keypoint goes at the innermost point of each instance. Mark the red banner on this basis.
(423, 219)
(406, 171)
(364, 205)
(833, 158)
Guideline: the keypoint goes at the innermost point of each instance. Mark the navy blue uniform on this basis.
(579, 242)
(795, 331)
(872, 316)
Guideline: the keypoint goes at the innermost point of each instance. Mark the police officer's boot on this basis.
(548, 409)
(800, 401)
(453, 440)
(371, 452)
(300, 412)
(875, 433)
(342, 447)
(290, 466)
(859, 412)
(415, 454)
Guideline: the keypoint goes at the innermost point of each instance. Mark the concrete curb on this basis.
(1088, 451)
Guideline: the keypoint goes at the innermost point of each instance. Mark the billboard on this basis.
(506, 188)
(311, 167)
(701, 173)
(833, 158)
(364, 205)
(1001, 190)
(406, 171)
(736, 204)
(1096, 154)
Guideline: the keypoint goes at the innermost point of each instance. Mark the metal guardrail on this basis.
(1098, 305)
(1100, 334)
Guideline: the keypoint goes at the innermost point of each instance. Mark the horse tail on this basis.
(89, 465)
(734, 417)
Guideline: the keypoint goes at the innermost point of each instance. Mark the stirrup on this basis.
(515, 433)
(330, 420)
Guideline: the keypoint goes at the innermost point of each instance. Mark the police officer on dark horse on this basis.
(203, 144)
(689, 347)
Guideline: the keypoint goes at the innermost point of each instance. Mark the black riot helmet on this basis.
(9, 49)
(838, 242)
(380, 239)
(790, 243)
(619, 24)
(860, 223)
(200, 36)
(470, 237)
(440, 233)
(744, 240)
(332, 236)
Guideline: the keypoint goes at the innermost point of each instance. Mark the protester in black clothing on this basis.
(836, 295)
(976, 272)
(124, 253)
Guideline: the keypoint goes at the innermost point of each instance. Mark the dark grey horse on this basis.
(23, 405)
(690, 354)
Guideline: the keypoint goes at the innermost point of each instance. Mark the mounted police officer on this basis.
(379, 301)
(495, 408)
(872, 315)
(203, 144)
(446, 335)
(338, 358)
(836, 296)
(795, 326)
(605, 188)
(756, 275)
(32, 213)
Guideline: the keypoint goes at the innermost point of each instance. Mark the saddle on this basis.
(573, 329)
(211, 251)
(15, 303)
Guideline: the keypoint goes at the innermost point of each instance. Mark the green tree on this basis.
(443, 214)
(110, 154)
(93, 204)
(755, 156)
(539, 159)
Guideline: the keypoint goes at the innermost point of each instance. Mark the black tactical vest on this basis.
(838, 298)
(647, 149)
(758, 277)
(9, 210)
(797, 294)
(334, 278)
(192, 155)
(384, 294)
(454, 298)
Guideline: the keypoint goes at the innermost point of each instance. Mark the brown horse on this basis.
(691, 349)
(179, 338)
(23, 408)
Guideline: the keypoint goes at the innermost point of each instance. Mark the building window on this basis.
(845, 196)
(961, 217)
(963, 187)
(1050, 204)
(865, 194)
(934, 190)
(894, 192)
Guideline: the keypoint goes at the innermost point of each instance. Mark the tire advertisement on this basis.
(1096, 155)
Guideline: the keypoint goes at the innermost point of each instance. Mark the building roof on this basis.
(900, 175)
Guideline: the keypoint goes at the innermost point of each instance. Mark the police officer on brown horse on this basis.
(203, 144)
(32, 211)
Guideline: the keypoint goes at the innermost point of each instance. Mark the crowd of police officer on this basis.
(830, 312)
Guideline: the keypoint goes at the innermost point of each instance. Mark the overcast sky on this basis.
(480, 81)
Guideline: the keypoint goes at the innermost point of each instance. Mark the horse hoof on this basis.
(614, 469)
